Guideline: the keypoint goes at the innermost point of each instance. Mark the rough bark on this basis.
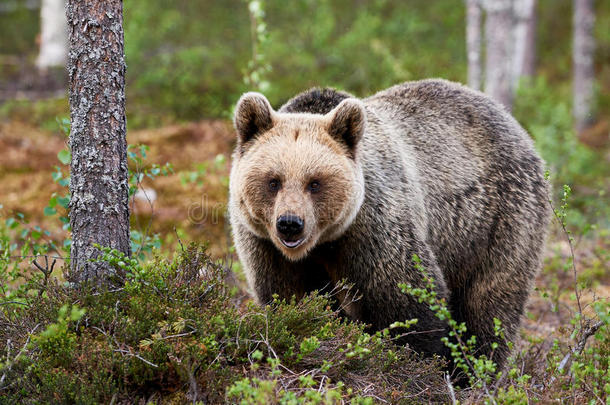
(524, 58)
(499, 50)
(99, 211)
(473, 43)
(582, 54)
(53, 35)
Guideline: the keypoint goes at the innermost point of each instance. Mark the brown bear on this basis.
(331, 188)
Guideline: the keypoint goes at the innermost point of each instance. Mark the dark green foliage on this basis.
(192, 64)
(20, 24)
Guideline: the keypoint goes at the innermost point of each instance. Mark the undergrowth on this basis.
(178, 331)
(174, 333)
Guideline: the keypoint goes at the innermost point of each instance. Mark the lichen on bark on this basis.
(99, 210)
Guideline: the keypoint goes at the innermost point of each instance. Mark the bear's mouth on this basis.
(291, 244)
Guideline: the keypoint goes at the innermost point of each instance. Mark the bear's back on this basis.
(477, 169)
(315, 101)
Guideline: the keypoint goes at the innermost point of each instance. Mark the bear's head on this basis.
(296, 177)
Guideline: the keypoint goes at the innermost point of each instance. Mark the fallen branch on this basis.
(580, 346)
(137, 356)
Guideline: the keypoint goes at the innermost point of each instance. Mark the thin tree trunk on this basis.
(53, 35)
(473, 43)
(528, 67)
(499, 51)
(582, 54)
(525, 40)
(99, 211)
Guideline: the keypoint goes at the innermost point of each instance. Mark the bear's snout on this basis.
(290, 227)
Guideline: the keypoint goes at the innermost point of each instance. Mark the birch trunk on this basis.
(583, 52)
(99, 211)
(473, 43)
(53, 35)
(499, 50)
(525, 40)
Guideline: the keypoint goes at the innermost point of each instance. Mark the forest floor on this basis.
(189, 205)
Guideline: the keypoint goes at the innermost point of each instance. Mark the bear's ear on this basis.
(347, 122)
(253, 116)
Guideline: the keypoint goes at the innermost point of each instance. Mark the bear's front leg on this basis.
(376, 277)
(388, 304)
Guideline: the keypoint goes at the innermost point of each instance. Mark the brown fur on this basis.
(428, 168)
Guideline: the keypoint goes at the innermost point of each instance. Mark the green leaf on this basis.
(57, 175)
(49, 211)
(64, 156)
(64, 201)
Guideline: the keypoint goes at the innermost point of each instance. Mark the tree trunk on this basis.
(99, 211)
(53, 35)
(582, 54)
(473, 43)
(525, 40)
(499, 51)
(528, 67)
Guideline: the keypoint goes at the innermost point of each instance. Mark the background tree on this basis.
(499, 50)
(99, 211)
(582, 55)
(524, 59)
(510, 45)
(53, 34)
(473, 43)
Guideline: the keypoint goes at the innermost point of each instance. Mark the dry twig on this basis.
(580, 346)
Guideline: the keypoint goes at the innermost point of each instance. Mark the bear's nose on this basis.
(289, 225)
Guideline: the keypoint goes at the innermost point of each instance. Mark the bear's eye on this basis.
(274, 185)
(314, 186)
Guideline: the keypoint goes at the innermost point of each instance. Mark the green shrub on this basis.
(174, 324)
